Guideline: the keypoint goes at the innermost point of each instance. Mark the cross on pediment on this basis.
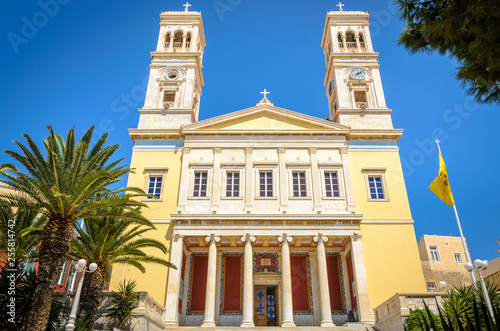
(340, 5)
(265, 93)
(187, 5)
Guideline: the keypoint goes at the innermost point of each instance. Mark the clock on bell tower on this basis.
(353, 83)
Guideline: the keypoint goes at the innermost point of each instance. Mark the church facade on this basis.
(273, 217)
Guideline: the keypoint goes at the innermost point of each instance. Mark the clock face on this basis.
(358, 73)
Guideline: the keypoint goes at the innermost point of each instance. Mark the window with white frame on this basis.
(376, 187)
(434, 253)
(458, 257)
(431, 287)
(200, 184)
(232, 184)
(266, 183)
(375, 184)
(155, 181)
(331, 184)
(154, 185)
(299, 183)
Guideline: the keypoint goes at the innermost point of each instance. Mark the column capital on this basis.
(212, 238)
(281, 150)
(343, 150)
(248, 238)
(248, 150)
(313, 150)
(217, 149)
(320, 238)
(186, 150)
(285, 238)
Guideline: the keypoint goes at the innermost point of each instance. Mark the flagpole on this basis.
(467, 255)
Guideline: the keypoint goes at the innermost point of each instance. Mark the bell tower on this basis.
(353, 83)
(175, 79)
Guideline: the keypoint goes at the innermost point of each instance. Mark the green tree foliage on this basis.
(123, 303)
(107, 241)
(62, 183)
(24, 289)
(25, 228)
(467, 31)
(414, 322)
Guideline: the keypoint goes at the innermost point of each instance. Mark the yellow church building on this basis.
(273, 217)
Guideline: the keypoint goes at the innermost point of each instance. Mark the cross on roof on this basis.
(265, 93)
(340, 5)
(187, 5)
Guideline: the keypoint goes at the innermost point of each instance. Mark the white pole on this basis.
(72, 317)
(486, 296)
(467, 255)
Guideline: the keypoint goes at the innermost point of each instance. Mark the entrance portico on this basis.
(264, 271)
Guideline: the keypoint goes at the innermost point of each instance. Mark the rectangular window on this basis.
(200, 184)
(332, 184)
(458, 257)
(360, 96)
(376, 187)
(431, 287)
(154, 186)
(434, 253)
(299, 184)
(266, 183)
(233, 184)
(169, 97)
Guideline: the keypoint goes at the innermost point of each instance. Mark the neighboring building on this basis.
(492, 273)
(443, 259)
(273, 217)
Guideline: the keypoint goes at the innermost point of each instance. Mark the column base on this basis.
(208, 324)
(247, 324)
(327, 324)
(288, 324)
(170, 324)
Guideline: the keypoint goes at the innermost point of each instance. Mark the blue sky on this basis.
(86, 63)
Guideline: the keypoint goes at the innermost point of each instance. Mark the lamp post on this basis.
(482, 265)
(80, 266)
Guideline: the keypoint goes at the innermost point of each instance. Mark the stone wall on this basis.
(390, 315)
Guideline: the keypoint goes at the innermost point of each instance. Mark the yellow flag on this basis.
(441, 185)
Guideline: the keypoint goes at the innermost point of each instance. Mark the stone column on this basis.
(358, 46)
(346, 169)
(248, 179)
(184, 37)
(344, 41)
(324, 291)
(171, 44)
(286, 282)
(184, 183)
(216, 180)
(209, 320)
(282, 182)
(248, 282)
(316, 180)
(171, 318)
(358, 261)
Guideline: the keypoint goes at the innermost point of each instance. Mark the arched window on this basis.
(339, 39)
(361, 41)
(178, 39)
(350, 40)
(167, 40)
(188, 40)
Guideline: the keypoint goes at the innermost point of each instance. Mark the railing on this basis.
(188, 43)
(351, 44)
(177, 44)
(362, 44)
(341, 44)
(167, 44)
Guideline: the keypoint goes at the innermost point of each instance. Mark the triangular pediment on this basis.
(265, 118)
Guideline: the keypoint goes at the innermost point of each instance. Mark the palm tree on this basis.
(107, 241)
(22, 227)
(62, 184)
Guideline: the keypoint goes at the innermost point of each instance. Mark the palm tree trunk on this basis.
(92, 286)
(53, 252)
